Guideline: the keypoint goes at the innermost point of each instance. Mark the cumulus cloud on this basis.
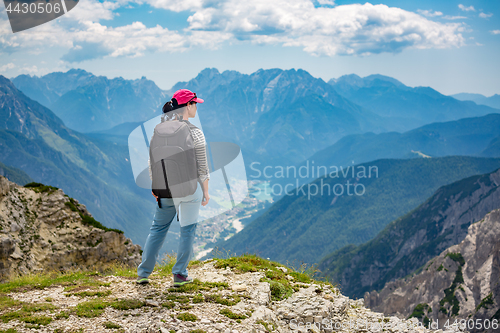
(30, 70)
(355, 29)
(495, 32)
(448, 17)
(10, 65)
(175, 5)
(429, 13)
(484, 15)
(344, 30)
(466, 9)
(326, 2)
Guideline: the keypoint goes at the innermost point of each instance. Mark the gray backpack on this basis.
(173, 160)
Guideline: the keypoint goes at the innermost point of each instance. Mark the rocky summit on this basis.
(63, 271)
(462, 283)
(42, 229)
(239, 294)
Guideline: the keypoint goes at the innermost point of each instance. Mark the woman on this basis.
(182, 106)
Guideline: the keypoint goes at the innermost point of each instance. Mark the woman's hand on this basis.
(154, 195)
(205, 199)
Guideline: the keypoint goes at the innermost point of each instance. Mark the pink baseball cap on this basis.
(184, 96)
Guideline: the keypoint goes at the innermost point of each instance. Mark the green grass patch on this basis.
(456, 257)
(198, 298)
(127, 304)
(450, 293)
(63, 315)
(281, 286)
(110, 324)
(24, 311)
(168, 304)
(186, 316)
(228, 300)
(92, 293)
(231, 315)
(420, 310)
(269, 327)
(485, 302)
(91, 308)
(46, 279)
(41, 188)
(37, 320)
(8, 302)
(197, 286)
(89, 220)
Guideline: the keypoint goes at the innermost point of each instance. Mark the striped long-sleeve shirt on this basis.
(200, 152)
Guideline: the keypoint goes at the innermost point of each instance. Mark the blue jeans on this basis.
(189, 207)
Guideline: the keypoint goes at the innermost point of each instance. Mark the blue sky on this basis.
(450, 46)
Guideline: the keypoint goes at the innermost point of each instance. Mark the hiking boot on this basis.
(180, 280)
(142, 280)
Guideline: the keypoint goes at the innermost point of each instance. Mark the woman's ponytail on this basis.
(167, 107)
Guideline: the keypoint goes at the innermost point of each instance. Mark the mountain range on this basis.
(96, 172)
(85, 102)
(277, 117)
(303, 227)
(412, 239)
(462, 282)
(406, 107)
(476, 136)
(492, 101)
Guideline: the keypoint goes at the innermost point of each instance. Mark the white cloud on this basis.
(448, 17)
(92, 10)
(483, 15)
(495, 32)
(326, 2)
(466, 9)
(30, 70)
(10, 65)
(354, 29)
(429, 13)
(175, 5)
(345, 30)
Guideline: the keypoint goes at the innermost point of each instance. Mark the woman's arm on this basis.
(202, 162)
(206, 197)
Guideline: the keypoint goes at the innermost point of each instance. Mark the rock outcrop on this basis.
(219, 300)
(41, 228)
(410, 241)
(463, 282)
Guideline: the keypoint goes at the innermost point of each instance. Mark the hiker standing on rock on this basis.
(179, 172)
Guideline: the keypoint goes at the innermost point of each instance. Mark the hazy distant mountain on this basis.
(47, 89)
(469, 136)
(492, 101)
(412, 239)
(282, 116)
(15, 175)
(309, 224)
(406, 107)
(118, 134)
(90, 103)
(277, 117)
(95, 172)
(493, 148)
